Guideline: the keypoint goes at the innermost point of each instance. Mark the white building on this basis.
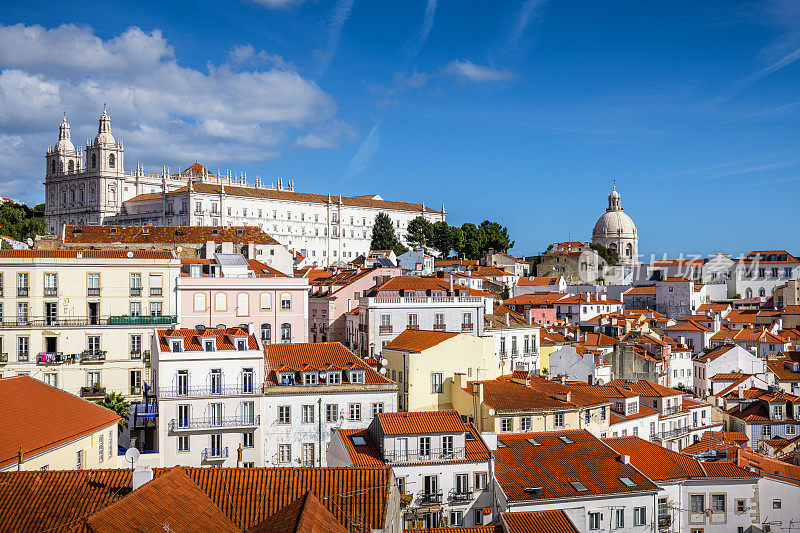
(723, 358)
(577, 363)
(516, 340)
(93, 187)
(760, 271)
(535, 285)
(442, 465)
(311, 391)
(581, 308)
(616, 231)
(628, 415)
(208, 384)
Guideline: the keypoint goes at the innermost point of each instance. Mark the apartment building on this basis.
(720, 359)
(82, 320)
(230, 290)
(528, 403)
(312, 390)
(418, 303)
(629, 416)
(442, 465)
(760, 272)
(44, 428)
(208, 384)
(786, 371)
(582, 307)
(764, 415)
(516, 340)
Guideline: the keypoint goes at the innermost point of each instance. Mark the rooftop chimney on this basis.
(20, 462)
(141, 476)
(508, 320)
(239, 456)
(625, 459)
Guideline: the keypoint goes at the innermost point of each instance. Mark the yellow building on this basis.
(81, 320)
(550, 342)
(43, 428)
(524, 404)
(423, 363)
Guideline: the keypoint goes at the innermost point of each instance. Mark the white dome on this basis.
(64, 145)
(104, 130)
(614, 224)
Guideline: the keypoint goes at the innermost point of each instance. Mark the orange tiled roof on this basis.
(39, 417)
(44, 500)
(299, 357)
(599, 339)
(191, 338)
(459, 529)
(646, 388)
(643, 290)
(304, 515)
(413, 283)
(537, 282)
(250, 495)
(171, 498)
(93, 234)
(771, 256)
(689, 325)
(551, 465)
(546, 521)
(536, 299)
(455, 262)
(497, 319)
(421, 422)
(416, 340)
(714, 353)
(712, 307)
(582, 298)
(86, 254)
(506, 395)
(768, 467)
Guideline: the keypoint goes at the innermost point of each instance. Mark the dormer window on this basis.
(196, 271)
(356, 376)
(310, 378)
(145, 231)
(778, 410)
(334, 377)
(286, 378)
(208, 345)
(176, 346)
(241, 344)
(113, 231)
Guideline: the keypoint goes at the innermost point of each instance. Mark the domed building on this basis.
(616, 231)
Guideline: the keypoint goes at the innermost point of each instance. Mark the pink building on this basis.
(230, 291)
(333, 296)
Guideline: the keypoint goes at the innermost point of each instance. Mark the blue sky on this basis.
(516, 111)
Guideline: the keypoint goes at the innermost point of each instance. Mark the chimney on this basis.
(625, 459)
(588, 295)
(508, 320)
(141, 476)
(451, 285)
(716, 323)
(530, 317)
(20, 462)
(211, 247)
(251, 250)
(239, 456)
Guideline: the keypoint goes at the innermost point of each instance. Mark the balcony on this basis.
(460, 495)
(412, 326)
(415, 456)
(156, 291)
(385, 329)
(199, 392)
(93, 291)
(430, 498)
(126, 320)
(93, 356)
(210, 423)
(51, 291)
(136, 354)
(210, 454)
(467, 326)
(4, 357)
(22, 291)
(136, 291)
(502, 353)
(51, 358)
(664, 521)
(672, 433)
(93, 392)
(672, 410)
(439, 327)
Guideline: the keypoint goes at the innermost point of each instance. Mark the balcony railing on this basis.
(439, 327)
(155, 291)
(93, 392)
(194, 392)
(430, 498)
(672, 433)
(460, 495)
(93, 291)
(209, 454)
(136, 291)
(4, 357)
(467, 326)
(50, 291)
(22, 291)
(118, 320)
(51, 358)
(672, 409)
(416, 456)
(412, 326)
(93, 356)
(207, 423)
(385, 329)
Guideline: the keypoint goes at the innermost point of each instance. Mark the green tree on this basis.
(609, 256)
(457, 239)
(20, 222)
(115, 402)
(383, 235)
(420, 232)
(442, 240)
(496, 236)
(474, 240)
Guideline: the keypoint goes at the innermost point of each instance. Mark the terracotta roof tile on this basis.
(94, 234)
(39, 417)
(644, 290)
(416, 340)
(536, 299)
(421, 422)
(321, 356)
(546, 521)
(86, 254)
(304, 515)
(767, 466)
(646, 388)
(714, 353)
(191, 338)
(537, 282)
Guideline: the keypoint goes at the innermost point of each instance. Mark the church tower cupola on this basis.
(614, 200)
(64, 144)
(104, 136)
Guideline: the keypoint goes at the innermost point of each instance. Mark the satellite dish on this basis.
(179, 249)
(323, 374)
(129, 254)
(131, 455)
(492, 412)
(384, 362)
(383, 371)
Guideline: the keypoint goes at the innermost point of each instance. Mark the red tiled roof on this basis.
(713, 353)
(599, 339)
(421, 422)
(417, 340)
(546, 521)
(299, 357)
(536, 299)
(44, 500)
(171, 498)
(537, 282)
(768, 467)
(645, 388)
(581, 298)
(689, 325)
(93, 234)
(505, 395)
(39, 417)
(304, 515)
(86, 254)
(644, 290)
(413, 283)
(712, 307)
(455, 262)
(250, 495)
(191, 338)
(553, 464)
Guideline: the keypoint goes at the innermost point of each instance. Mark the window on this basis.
(248, 413)
(628, 482)
(559, 420)
(215, 378)
(506, 425)
(136, 308)
(199, 302)
(182, 379)
(639, 516)
(525, 423)
(456, 518)
(50, 284)
(155, 285)
(594, 521)
(248, 440)
(424, 447)
(93, 344)
(697, 503)
(436, 383)
(447, 446)
(242, 304)
(79, 460)
(183, 443)
(308, 414)
(247, 380)
(718, 503)
(286, 332)
(93, 284)
(286, 301)
(208, 346)
(310, 378)
(356, 376)
(331, 413)
(776, 504)
(619, 515)
(662, 507)
(741, 506)
(100, 449)
(265, 301)
(23, 345)
(355, 411)
(284, 414)
(588, 417)
(155, 309)
(22, 313)
(284, 453)
(477, 514)
(308, 454)
(266, 333)
(136, 381)
(481, 480)
(377, 408)
(215, 413)
(136, 346)
(578, 486)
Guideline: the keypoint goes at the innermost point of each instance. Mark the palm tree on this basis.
(115, 402)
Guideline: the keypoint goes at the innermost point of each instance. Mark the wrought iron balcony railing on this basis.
(177, 424)
(421, 456)
(211, 454)
(206, 390)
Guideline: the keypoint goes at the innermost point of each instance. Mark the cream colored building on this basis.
(81, 320)
(424, 363)
(46, 429)
(524, 405)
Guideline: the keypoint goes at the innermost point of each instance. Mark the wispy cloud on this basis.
(467, 70)
(279, 4)
(754, 78)
(366, 151)
(739, 166)
(761, 113)
(772, 182)
(414, 46)
(522, 34)
(341, 12)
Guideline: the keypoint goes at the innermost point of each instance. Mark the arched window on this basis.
(94, 160)
(266, 333)
(748, 293)
(762, 292)
(220, 302)
(286, 301)
(266, 301)
(71, 165)
(242, 304)
(111, 160)
(53, 166)
(628, 250)
(286, 332)
(612, 247)
(200, 301)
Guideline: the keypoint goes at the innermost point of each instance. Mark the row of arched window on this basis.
(200, 303)
(749, 292)
(266, 333)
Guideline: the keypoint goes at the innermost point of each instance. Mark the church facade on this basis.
(91, 186)
(616, 231)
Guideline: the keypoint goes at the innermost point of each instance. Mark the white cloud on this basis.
(339, 15)
(414, 46)
(279, 4)
(467, 70)
(362, 159)
(243, 110)
(328, 135)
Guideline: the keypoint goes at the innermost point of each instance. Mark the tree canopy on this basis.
(469, 240)
(20, 222)
(609, 256)
(384, 236)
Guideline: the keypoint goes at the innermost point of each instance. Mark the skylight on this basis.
(628, 482)
(566, 440)
(578, 486)
(501, 444)
(468, 436)
(535, 491)
(358, 440)
(534, 442)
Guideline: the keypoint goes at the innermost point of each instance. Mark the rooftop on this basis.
(417, 340)
(317, 357)
(192, 338)
(93, 234)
